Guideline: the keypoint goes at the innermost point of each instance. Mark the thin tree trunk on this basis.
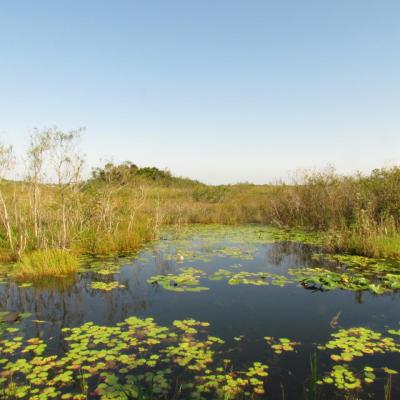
(6, 221)
(35, 211)
(64, 227)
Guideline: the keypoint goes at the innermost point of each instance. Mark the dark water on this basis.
(252, 311)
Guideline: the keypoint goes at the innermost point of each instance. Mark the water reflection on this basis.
(251, 311)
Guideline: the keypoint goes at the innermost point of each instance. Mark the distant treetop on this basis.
(127, 172)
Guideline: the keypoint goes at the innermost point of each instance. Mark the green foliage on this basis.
(186, 281)
(342, 378)
(358, 342)
(350, 273)
(201, 242)
(257, 279)
(139, 359)
(249, 278)
(359, 213)
(281, 345)
(107, 286)
(130, 173)
(311, 391)
(124, 206)
(135, 359)
(46, 263)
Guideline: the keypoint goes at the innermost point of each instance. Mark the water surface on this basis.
(241, 314)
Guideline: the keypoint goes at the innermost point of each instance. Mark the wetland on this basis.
(207, 312)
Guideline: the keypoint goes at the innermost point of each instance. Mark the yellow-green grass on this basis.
(46, 263)
(357, 214)
(379, 245)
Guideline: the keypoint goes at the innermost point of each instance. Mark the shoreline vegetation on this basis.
(53, 215)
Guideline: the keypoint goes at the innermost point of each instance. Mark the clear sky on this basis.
(218, 90)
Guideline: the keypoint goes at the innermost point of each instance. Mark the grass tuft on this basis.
(46, 263)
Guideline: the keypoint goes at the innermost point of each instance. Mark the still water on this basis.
(242, 314)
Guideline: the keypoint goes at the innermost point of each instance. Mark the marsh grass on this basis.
(46, 263)
(387, 388)
(115, 212)
(311, 391)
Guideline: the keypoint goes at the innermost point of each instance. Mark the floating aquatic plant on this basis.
(202, 242)
(356, 273)
(105, 264)
(107, 286)
(25, 285)
(351, 261)
(134, 358)
(390, 371)
(105, 271)
(394, 332)
(186, 281)
(325, 279)
(281, 345)
(221, 274)
(358, 342)
(249, 278)
(342, 378)
(352, 343)
(369, 376)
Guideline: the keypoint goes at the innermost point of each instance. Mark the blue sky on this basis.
(222, 91)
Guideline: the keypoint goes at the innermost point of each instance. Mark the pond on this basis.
(207, 312)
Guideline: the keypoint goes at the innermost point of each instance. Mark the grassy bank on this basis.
(123, 206)
(357, 214)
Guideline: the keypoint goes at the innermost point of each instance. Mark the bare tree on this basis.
(137, 201)
(6, 163)
(113, 180)
(68, 165)
(40, 144)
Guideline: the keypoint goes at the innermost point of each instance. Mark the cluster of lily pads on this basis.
(358, 342)
(134, 359)
(187, 280)
(348, 344)
(249, 278)
(105, 264)
(349, 272)
(139, 359)
(311, 278)
(326, 279)
(281, 345)
(203, 242)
